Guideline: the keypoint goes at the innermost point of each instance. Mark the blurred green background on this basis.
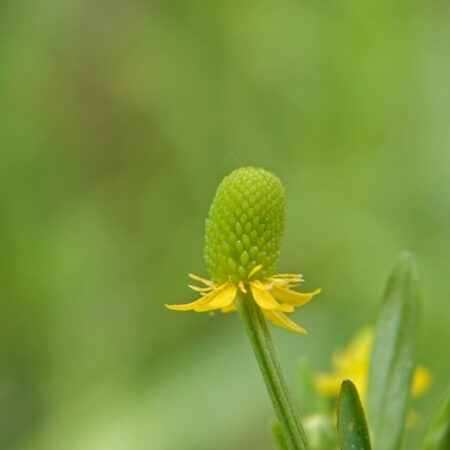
(118, 119)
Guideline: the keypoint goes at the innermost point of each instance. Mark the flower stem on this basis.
(265, 353)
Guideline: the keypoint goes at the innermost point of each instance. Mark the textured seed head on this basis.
(245, 225)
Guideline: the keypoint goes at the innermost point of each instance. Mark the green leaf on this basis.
(437, 434)
(393, 355)
(310, 401)
(351, 422)
(278, 435)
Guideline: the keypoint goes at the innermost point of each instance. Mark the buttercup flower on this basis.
(353, 363)
(243, 236)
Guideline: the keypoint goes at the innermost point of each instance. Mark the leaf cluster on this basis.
(392, 364)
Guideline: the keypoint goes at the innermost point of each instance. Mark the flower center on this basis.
(245, 225)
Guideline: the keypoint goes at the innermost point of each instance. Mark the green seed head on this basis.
(245, 225)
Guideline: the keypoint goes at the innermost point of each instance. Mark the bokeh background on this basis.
(118, 119)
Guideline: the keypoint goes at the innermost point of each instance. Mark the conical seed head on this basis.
(245, 225)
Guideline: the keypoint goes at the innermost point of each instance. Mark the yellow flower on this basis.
(353, 363)
(243, 236)
(272, 294)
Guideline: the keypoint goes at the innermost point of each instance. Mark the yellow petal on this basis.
(242, 287)
(193, 305)
(289, 285)
(254, 270)
(288, 275)
(328, 384)
(199, 289)
(292, 297)
(228, 309)
(356, 356)
(206, 298)
(224, 298)
(421, 381)
(202, 280)
(280, 319)
(285, 280)
(263, 297)
(286, 308)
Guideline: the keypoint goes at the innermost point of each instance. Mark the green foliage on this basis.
(437, 435)
(245, 225)
(315, 410)
(278, 435)
(118, 119)
(351, 422)
(310, 401)
(393, 355)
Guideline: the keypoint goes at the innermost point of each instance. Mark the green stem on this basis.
(265, 353)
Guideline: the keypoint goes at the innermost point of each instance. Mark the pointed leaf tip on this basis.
(406, 264)
(351, 422)
(394, 354)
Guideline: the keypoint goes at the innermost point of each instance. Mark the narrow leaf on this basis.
(437, 435)
(393, 355)
(351, 422)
